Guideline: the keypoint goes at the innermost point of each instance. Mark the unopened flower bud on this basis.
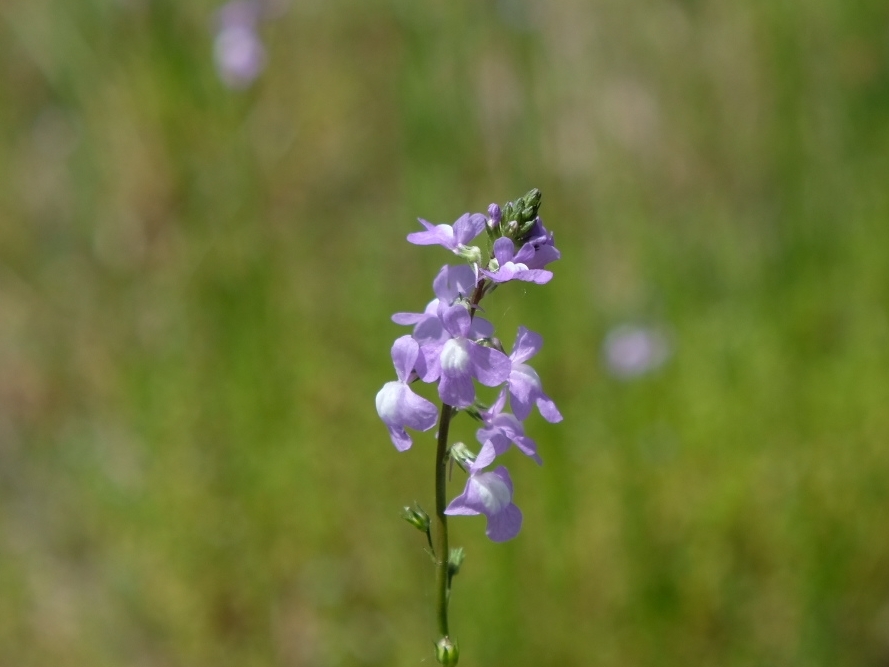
(416, 517)
(446, 652)
(455, 560)
(464, 456)
(533, 198)
(526, 227)
(475, 410)
(494, 215)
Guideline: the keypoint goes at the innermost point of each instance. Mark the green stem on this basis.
(442, 455)
(442, 553)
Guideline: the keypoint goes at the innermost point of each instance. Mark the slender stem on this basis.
(441, 550)
(476, 297)
(442, 553)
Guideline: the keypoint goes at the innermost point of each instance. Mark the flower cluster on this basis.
(454, 347)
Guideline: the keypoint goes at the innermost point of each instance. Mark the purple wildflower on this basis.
(237, 49)
(631, 351)
(541, 242)
(490, 493)
(397, 405)
(525, 388)
(429, 331)
(501, 430)
(454, 238)
(462, 359)
(513, 266)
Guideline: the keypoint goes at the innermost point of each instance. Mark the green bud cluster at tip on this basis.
(518, 216)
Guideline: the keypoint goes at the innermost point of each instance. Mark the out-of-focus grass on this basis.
(195, 287)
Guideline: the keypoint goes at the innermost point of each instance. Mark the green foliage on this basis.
(195, 287)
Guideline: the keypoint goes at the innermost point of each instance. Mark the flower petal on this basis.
(505, 525)
(454, 281)
(404, 356)
(434, 235)
(455, 319)
(527, 344)
(504, 250)
(491, 367)
(468, 226)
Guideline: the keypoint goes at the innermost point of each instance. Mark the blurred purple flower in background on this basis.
(631, 351)
(239, 54)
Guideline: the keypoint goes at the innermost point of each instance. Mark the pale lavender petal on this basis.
(490, 493)
(455, 319)
(456, 389)
(406, 319)
(527, 344)
(428, 364)
(525, 254)
(528, 447)
(512, 271)
(430, 328)
(502, 431)
(504, 274)
(503, 474)
(524, 384)
(505, 525)
(485, 493)
(459, 507)
(434, 235)
(491, 366)
(485, 457)
(400, 438)
(543, 256)
(454, 281)
(495, 439)
(536, 276)
(504, 250)
(548, 409)
(480, 328)
(404, 355)
(468, 226)
(398, 407)
(420, 414)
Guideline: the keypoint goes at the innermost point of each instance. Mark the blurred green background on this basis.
(195, 291)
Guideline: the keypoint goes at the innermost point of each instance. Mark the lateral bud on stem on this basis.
(446, 652)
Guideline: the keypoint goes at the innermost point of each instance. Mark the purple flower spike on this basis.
(397, 405)
(490, 493)
(462, 360)
(525, 388)
(454, 238)
(512, 266)
(501, 430)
